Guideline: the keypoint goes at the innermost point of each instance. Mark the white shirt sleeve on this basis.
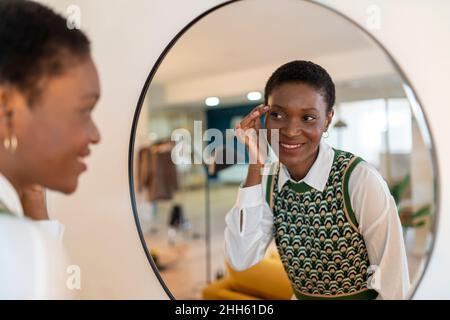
(379, 223)
(249, 228)
(53, 228)
(33, 261)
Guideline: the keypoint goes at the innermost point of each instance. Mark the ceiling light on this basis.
(212, 101)
(254, 96)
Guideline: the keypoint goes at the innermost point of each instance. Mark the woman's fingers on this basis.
(248, 121)
(256, 122)
(250, 137)
(261, 111)
(251, 121)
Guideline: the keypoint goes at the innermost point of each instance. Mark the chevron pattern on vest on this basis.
(317, 236)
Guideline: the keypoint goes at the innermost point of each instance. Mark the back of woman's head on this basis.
(35, 43)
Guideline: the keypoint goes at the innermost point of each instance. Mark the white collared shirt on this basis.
(32, 257)
(375, 211)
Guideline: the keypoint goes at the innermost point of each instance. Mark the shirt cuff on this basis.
(250, 196)
(53, 228)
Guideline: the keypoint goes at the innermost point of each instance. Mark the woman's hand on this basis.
(33, 202)
(247, 131)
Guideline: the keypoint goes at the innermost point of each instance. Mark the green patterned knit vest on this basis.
(317, 237)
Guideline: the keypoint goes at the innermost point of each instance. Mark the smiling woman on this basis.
(48, 89)
(318, 199)
(301, 97)
(324, 223)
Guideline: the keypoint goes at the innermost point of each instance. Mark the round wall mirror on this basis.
(208, 79)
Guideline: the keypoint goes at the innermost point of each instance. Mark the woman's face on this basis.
(54, 134)
(300, 113)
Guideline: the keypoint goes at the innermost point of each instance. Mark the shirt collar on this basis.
(9, 197)
(317, 176)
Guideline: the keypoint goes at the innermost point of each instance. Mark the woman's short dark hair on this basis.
(35, 43)
(307, 72)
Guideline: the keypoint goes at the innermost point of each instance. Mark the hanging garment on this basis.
(143, 168)
(157, 172)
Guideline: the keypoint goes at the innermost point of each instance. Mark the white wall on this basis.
(128, 38)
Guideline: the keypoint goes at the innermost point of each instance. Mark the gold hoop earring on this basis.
(11, 143)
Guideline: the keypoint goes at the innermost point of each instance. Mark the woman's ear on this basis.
(3, 91)
(2, 123)
(9, 98)
(7, 137)
(14, 110)
(329, 119)
(3, 110)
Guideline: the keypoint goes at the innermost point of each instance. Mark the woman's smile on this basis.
(82, 165)
(81, 156)
(290, 147)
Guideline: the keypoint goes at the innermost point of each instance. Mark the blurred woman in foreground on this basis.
(48, 89)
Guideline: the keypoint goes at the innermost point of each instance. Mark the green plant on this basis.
(408, 217)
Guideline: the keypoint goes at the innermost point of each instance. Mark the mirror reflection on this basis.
(342, 203)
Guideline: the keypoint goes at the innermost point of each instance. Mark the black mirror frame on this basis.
(155, 69)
